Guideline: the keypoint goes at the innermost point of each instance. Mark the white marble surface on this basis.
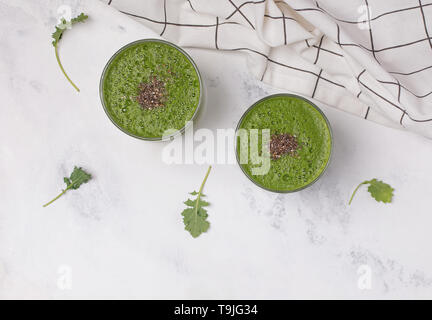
(122, 236)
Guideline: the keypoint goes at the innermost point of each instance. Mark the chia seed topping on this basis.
(281, 144)
(151, 94)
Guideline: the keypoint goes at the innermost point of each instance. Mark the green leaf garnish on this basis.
(379, 190)
(76, 179)
(57, 35)
(195, 217)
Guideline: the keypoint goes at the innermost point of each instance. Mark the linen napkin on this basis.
(372, 58)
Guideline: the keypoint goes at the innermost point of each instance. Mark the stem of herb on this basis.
(202, 186)
(63, 70)
(355, 190)
(62, 193)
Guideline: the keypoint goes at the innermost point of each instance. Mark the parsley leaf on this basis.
(57, 35)
(194, 217)
(76, 179)
(379, 190)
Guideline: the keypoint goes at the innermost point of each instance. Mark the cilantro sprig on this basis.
(76, 179)
(379, 190)
(58, 34)
(195, 216)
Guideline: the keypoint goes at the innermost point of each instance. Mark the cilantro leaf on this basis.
(80, 18)
(57, 35)
(195, 220)
(76, 179)
(63, 25)
(194, 193)
(195, 217)
(379, 190)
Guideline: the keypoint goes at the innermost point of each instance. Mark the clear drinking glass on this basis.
(283, 95)
(198, 111)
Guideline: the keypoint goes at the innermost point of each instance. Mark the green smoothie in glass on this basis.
(300, 142)
(150, 86)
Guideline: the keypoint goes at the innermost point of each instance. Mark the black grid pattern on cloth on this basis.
(374, 48)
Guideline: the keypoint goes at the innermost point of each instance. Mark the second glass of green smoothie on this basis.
(299, 147)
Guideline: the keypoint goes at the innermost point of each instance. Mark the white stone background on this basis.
(121, 235)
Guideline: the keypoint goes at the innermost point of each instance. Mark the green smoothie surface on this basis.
(138, 65)
(294, 116)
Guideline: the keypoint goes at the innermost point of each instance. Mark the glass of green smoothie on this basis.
(151, 89)
(293, 136)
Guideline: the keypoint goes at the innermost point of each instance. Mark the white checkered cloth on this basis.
(372, 58)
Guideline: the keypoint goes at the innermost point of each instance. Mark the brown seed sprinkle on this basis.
(281, 144)
(151, 94)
